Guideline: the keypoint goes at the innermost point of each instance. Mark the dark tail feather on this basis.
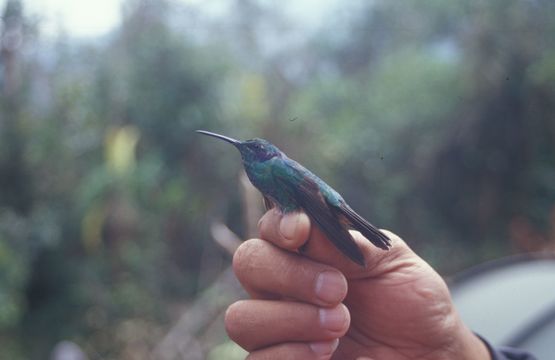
(322, 214)
(369, 231)
(339, 236)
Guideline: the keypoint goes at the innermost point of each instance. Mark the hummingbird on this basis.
(291, 187)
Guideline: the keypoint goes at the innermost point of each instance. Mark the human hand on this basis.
(320, 305)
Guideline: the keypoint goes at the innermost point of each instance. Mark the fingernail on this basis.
(324, 348)
(333, 319)
(288, 225)
(331, 287)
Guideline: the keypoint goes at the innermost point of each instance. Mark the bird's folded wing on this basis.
(310, 199)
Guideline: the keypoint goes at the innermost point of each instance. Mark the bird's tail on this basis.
(369, 231)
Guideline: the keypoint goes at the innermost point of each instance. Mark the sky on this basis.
(89, 18)
(79, 18)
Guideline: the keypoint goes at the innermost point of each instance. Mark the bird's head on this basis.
(251, 150)
(258, 150)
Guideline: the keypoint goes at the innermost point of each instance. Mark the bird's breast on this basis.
(260, 175)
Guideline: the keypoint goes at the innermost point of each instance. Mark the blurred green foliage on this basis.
(433, 118)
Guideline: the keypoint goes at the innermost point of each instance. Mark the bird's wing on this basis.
(308, 195)
(369, 231)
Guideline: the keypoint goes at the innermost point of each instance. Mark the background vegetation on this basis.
(434, 119)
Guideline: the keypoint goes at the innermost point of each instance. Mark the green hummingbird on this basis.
(291, 187)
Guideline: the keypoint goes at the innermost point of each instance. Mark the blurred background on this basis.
(434, 119)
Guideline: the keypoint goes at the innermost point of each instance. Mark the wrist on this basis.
(463, 344)
(471, 347)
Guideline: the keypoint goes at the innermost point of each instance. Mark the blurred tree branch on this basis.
(178, 342)
(181, 342)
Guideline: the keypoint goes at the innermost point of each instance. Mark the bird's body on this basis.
(291, 187)
(268, 177)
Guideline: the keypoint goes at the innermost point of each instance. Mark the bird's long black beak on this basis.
(225, 138)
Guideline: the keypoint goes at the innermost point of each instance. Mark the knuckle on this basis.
(290, 351)
(230, 320)
(260, 224)
(245, 256)
(268, 223)
(234, 325)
